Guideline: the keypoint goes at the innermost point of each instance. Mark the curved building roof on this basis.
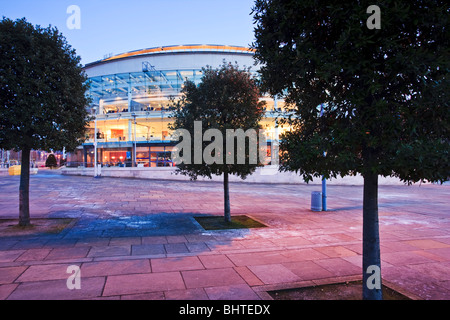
(193, 48)
(183, 48)
(181, 57)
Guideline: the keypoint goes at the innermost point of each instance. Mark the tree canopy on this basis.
(226, 99)
(42, 89)
(42, 95)
(376, 100)
(384, 93)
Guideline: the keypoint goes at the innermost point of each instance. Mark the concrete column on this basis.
(130, 128)
(129, 97)
(100, 106)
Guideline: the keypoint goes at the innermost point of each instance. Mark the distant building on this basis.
(130, 97)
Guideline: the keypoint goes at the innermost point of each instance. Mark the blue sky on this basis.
(120, 26)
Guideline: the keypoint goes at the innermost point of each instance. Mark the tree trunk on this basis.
(371, 240)
(24, 189)
(227, 213)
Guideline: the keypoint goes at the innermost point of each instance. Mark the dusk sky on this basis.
(113, 27)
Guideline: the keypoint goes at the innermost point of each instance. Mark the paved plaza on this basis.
(138, 239)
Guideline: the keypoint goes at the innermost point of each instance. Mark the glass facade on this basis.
(131, 116)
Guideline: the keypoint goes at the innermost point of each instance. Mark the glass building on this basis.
(130, 96)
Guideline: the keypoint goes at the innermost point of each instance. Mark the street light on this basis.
(134, 151)
(324, 181)
(96, 175)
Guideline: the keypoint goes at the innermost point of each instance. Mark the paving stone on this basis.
(6, 290)
(248, 276)
(68, 253)
(142, 283)
(395, 246)
(187, 294)
(427, 244)
(404, 258)
(442, 252)
(290, 241)
(176, 264)
(216, 261)
(30, 244)
(257, 258)
(339, 267)
(197, 247)
(154, 240)
(57, 290)
(439, 271)
(211, 278)
(176, 239)
(144, 296)
(7, 244)
(148, 249)
(106, 268)
(308, 270)
(9, 274)
(109, 251)
(302, 255)
(61, 243)
(274, 273)
(34, 255)
(199, 237)
(258, 243)
(176, 248)
(10, 255)
(225, 245)
(125, 241)
(336, 251)
(420, 284)
(232, 292)
(45, 272)
(92, 242)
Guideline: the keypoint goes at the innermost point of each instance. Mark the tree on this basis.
(51, 161)
(226, 100)
(42, 96)
(384, 94)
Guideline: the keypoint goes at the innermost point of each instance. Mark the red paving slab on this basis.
(211, 277)
(11, 255)
(44, 272)
(232, 292)
(176, 264)
(142, 283)
(34, 255)
(186, 294)
(215, 261)
(137, 240)
(274, 273)
(10, 274)
(115, 267)
(308, 270)
(67, 253)
(57, 290)
(6, 290)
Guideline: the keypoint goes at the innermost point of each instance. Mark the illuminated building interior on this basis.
(131, 94)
